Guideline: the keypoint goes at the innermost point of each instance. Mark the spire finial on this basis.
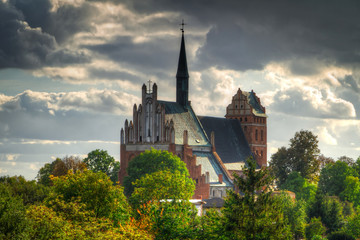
(182, 26)
(149, 91)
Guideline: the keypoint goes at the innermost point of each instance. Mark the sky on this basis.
(71, 70)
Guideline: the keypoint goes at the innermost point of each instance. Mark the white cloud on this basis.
(325, 136)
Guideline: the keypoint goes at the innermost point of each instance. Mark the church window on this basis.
(256, 135)
(157, 138)
(236, 106)
(241, 106)
(245, 119)
(140, 139)
(261, 153)
(262, 135)
(214, 193)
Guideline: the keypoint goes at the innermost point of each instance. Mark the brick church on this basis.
(213, 148)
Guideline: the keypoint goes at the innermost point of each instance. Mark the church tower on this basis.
(247, 108)
(182, 75)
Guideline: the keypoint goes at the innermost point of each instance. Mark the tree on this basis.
(315, 228)
(330, 210)
(13, 221)
(95, 190)
(351, 192)
(295, 213)
(59, 167)
(162, 185)
(303, 189)
(301, 156)
(29, 191)
(333, 176)
(280, 165)
(99, 161)
(255, 214)
(149, 162)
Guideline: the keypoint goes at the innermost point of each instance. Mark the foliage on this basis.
(333, 176)
(59, 167)
(170, 219)
(12, 215)
(352, 225)
(340, 236)
(29, 191)
(254, 215)
(95, 190)
(330, 210)
(352, 190)
(314, 228)
(301, 156)
(45, 224)
(162, 185)
(303, 189)
(212, 226)
(295, 213)
(44, 173)
(150, 162)
(100, 161)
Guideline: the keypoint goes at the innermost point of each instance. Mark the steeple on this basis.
(182, 75)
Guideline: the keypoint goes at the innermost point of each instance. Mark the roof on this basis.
(230, 142)
(209, 164)
(184, 118)
(253, 101)
(214, 203)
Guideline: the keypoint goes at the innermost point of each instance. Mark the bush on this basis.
(340, 236)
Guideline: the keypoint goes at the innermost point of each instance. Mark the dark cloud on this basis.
(250, 34)
(62, 23)
(159, 54)
(30, 34)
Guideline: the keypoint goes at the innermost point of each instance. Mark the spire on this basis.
(182, 75)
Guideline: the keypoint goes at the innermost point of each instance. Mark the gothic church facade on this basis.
(212, 148)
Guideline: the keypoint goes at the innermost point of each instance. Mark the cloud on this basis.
(85, 115)
(311, 102)
(94, 100)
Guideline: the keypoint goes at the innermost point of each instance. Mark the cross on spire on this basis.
(149, 91)
(182, 26)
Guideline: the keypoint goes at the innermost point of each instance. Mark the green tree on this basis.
(333, 176)
(280, 165)
(351, 192)
(255, 214)
(95, 190)
(212, 226)
(352, 225)
(302, 156)
(170, 219)
(330, 210)
(295, 213)
(29, 191)
(100, 161)
(149, 162)
(315, 228)
(304, 153)
(303, 189)
(162, 185)
(13, 221)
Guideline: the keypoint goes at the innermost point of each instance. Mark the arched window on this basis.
(256, 135)
(262, 135)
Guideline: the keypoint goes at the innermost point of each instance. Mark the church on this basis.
(213, 148)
